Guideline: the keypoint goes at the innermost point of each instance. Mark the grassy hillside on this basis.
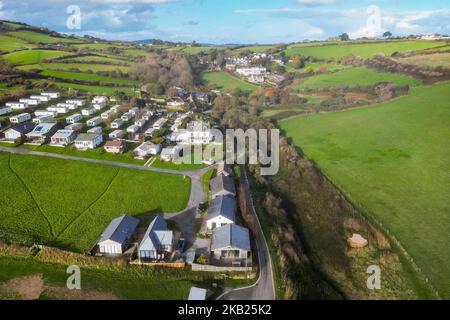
(354, 76)
(32, 56)
(224, 81)
(430, 60)
(50, 201)
(365, 50)
(35, 37)
(83, 67)
(87, 77)
(392, 160)
(8, 44)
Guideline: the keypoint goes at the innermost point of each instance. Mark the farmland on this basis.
(8, 44)
(32, 56)
(87, 77)
(101, 90)
(430, 60)
(354, 76)
(83, 67)
(225, 81)
(35, 37)
(365, 50)
(393, 170)
(39, 203)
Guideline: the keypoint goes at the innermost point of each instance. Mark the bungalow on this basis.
(222, 186)
(100, 100)
(127, 116)
(107, 114)
(98, 106)
(41, 133)
(96, 130)
(42, 119)
(59, 109)
(221, 211)
(88, 112)
(157, 243)
(17, 105)
(147, 149)
(30, 102)
(51, 95)
(133, 129)
(168, 154)
(40, 98)
(115, 146)
(117, 236)
(39, 113)
(74, 126)
(20, 118)
(67, 106)
(19, 131)
(74, 118)
(77, 102)
(230, 242)
(63, 138)
(87, 141)
(94, 122)
(158, 125)
(116, 134)
(116, 124)
(5, 110)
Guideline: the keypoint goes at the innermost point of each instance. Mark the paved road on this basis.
(264, 289)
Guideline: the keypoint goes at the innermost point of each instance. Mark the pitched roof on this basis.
(120, 229)
(114, 143)
(222, 206)
(156, 235)
(222, 183)
(86, 137)
(231, 235)
(23, 127)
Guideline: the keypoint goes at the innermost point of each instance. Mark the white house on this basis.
(51, 95)
(196, 132)
(246, 72)
(63, 138)
(74, 118)
(23, 117)
(100, 100)
(118, 235)
(68, 106)
(133, 129)
(77, 102)
(107, 114)
(59, 109)
(5, 110)
(77, 126)
(30, 102)
(116, 134)
(88, 112)
(159, 124)
(41, 133)
(221, 211)
(87, 141)
(148, 115)
(127, 116)
(98, 106)
(42, 119)
(115, 108)
(230, 242)
(94, 122)
(140, 123)
(95, 130)
(256, 79)
(116, 124)
(19, 131)
(168, 154)
(16, 105)
(39, 113)
(40, 98)
(157, 243)
(134, 111)
(147, 149)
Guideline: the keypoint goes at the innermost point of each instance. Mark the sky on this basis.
(232, 21)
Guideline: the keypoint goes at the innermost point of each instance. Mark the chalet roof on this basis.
(120, 229)
(222, 183)
(156, 235)
(23, 128)
(224, 206)
(230, 236)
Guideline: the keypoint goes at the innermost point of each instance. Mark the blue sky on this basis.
(235, 21)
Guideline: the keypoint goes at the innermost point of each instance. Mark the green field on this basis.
(87, 77)
(393, 161)
(83, 67)
(33, 56)
(101, 90)
(224, 81)
(35, 37)
(8, 44)
(365, 50)
(429, 60)
(69, 203)
(257, 49)
(99, 59)
(315, 66)
(354, 76)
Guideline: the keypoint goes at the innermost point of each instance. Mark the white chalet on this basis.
(88, 112)
(94, 122)
(87, 141)
(63, 138)
(23, 117)
(74, 118)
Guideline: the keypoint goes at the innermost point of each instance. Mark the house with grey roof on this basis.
(117, 235)
(41, 133)
(230, 242)
(157, 243)
(221, 211)
(222, 186)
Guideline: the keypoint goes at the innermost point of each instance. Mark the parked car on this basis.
(181, 244)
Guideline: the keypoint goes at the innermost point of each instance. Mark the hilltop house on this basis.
(157, 243)
(222, 186)
(221, 211)
(41, 133)
(87, 141)
(147, 149)
(19, 131)
(63, 138)
(230, 242)
(117, 235)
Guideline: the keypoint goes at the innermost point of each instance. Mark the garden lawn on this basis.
(69, 203)
(224, 81)
(32, 56)
(355, 76)
(365, 50)
(393, 161)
